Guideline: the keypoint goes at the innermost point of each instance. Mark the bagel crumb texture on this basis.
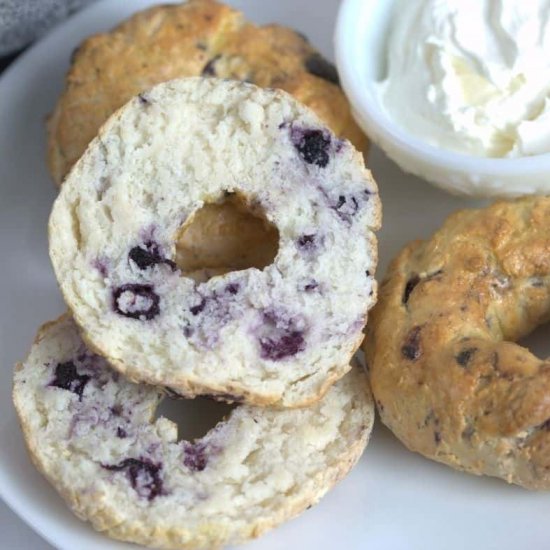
(93, 435)
(448, 378)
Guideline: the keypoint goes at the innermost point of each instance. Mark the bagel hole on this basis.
(537, 341)
(193, 417)
(225, 236)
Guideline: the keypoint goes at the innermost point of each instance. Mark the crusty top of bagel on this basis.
(448, 377)
(199, 37)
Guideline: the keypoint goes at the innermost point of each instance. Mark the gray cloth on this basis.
(22, 21)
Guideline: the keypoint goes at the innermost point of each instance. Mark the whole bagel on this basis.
(194, 38)
(447, 377)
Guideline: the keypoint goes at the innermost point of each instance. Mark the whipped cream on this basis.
(471, 75)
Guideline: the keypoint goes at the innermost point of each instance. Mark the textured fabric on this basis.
(22, 21)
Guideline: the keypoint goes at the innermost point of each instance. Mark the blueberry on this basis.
(312, 285)
(464, 357)
(412, 348)
(232, 288)
(195, 310)
(195, 457)
(306, 242)
(67, 378)
(409, 287)
(147, 255)
(346, 207)
(287, 344)
(317, 65)
(131, 293)
(143, 258)
(414, 281)
(116, 410)
(121, 433)
(312, 145)
(210, 69)
(144, 476)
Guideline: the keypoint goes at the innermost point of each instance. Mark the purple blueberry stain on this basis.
(284, 345)
(143, 474)
(281, 336)
(136, 301)
(312, 145)
(67, 378)
(101, 265)
(209, 312)
(195, 456)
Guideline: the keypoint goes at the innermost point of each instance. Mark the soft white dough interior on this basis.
(281, 332)
(253, 470)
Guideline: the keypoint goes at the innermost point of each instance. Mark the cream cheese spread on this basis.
(471, 76)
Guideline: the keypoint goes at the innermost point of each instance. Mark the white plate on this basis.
(393, 499)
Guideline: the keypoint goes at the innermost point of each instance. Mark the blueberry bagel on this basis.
(94, 437)
(281, 335)
(196, 38)
(446, 373)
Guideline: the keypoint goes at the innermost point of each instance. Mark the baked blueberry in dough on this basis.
(280, 335)
(93, 435)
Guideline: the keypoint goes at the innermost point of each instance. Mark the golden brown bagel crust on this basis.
(446, 375)
(200, 37)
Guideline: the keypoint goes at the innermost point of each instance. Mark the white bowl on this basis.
(360, 43)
